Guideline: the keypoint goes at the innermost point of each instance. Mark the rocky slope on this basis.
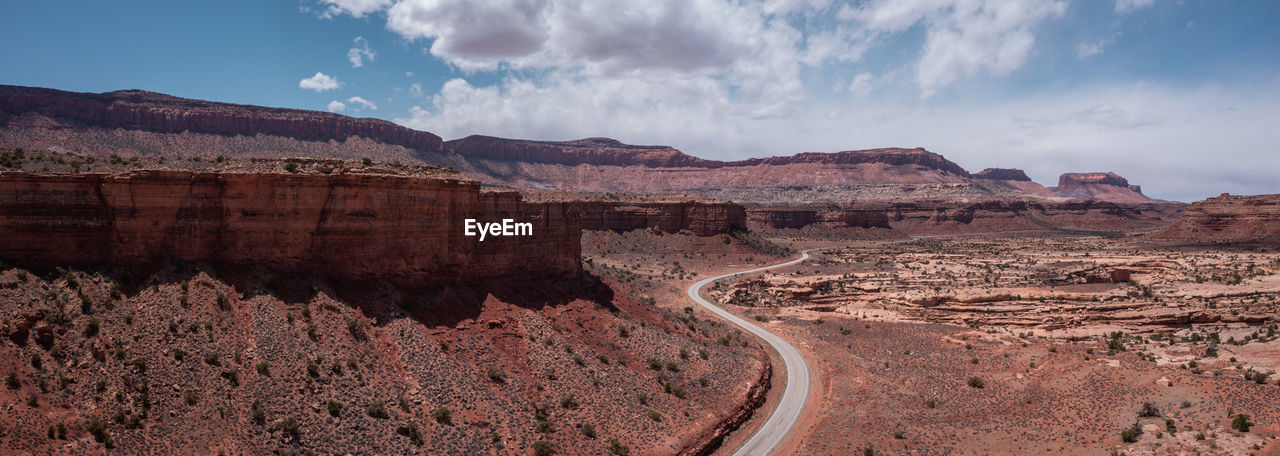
(353, 225)
(1229, 218)
(1103, 186)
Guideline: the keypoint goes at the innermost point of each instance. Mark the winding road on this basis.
(796, 393)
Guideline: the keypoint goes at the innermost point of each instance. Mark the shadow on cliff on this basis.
(433, 306)
(449, 304)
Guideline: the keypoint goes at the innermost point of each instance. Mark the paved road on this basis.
(767, 438)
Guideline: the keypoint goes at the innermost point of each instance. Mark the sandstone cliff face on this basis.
(702, 218)
(140, 110)
(1002, 174)
(1229, 218)
(1103, 186)
(404, 229)
(782, 217)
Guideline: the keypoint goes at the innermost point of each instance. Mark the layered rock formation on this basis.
(408, 230)
(1104, 186)
(1009, 174)
(782, 218)
(702, 218)
(1229, 218)
(149, 111)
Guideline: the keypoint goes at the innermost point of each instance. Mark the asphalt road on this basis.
(796, 393)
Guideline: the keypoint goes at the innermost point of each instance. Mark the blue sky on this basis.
(1178, 96)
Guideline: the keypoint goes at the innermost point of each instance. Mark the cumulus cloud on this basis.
(319, 83)
(415, 90)
(362, 103)
(862, 84)
(336, 106)
(1129, 6)
(963, 38)
(360, 52)
(357, 8)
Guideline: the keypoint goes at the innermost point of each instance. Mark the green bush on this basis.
(1241, 423)
(1131, 434)
(568, 401)
(335, 407)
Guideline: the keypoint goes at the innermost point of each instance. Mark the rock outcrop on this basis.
(408, 230)
(1229, 218)
(1104, 186)
(1008, 174)
(782, 217)
(702, 218)
(149, 111)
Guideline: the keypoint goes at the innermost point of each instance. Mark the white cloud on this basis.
(360, 52)
(963, 38)
(319, 83)
(357, 8)
(862, 84)
(1129, 6)
(415, 90)
(363, 103)
(336, 106)
(1086, 50)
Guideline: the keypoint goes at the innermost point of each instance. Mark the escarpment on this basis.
(149, 111)
(702, 218)
(405, 229)
(1229, 218)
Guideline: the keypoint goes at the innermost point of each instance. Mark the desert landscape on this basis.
(661, 228)
(290, 293)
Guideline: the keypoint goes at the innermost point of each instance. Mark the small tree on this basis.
(290, 427)
(378, 410)
(1149, 410)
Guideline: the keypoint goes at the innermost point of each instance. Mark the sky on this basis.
(1179, 96)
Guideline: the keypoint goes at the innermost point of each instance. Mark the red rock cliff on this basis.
(703, 218)
(1010, 174)
(1229, 218)
(1103, 186)
(149, 111)
(364, 226)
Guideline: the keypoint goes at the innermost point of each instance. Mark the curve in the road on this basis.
(796, 393)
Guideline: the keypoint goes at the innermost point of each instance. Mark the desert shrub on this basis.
(1171, 426)
(410, 430)
(263, 368)
(976, 382)
(1241, 423)
(356, 327)
(212, 359)
(442, 415)
(223, 302)
(179, 354)
(259, 414)
(290, 426)
(378, 410)
(654, 364)
(190, 397)
(12, 380)
(654, 415)
(98, 429)
(589, 430)
(232, 376)
(1130, 434)
(1149, 410)
(496, 375)
(542, 448)
(642, 398)
(335, 407)
(618, 448)
(568, 401)
(930, 403)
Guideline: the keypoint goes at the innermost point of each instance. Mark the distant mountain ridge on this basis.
(140, 122)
